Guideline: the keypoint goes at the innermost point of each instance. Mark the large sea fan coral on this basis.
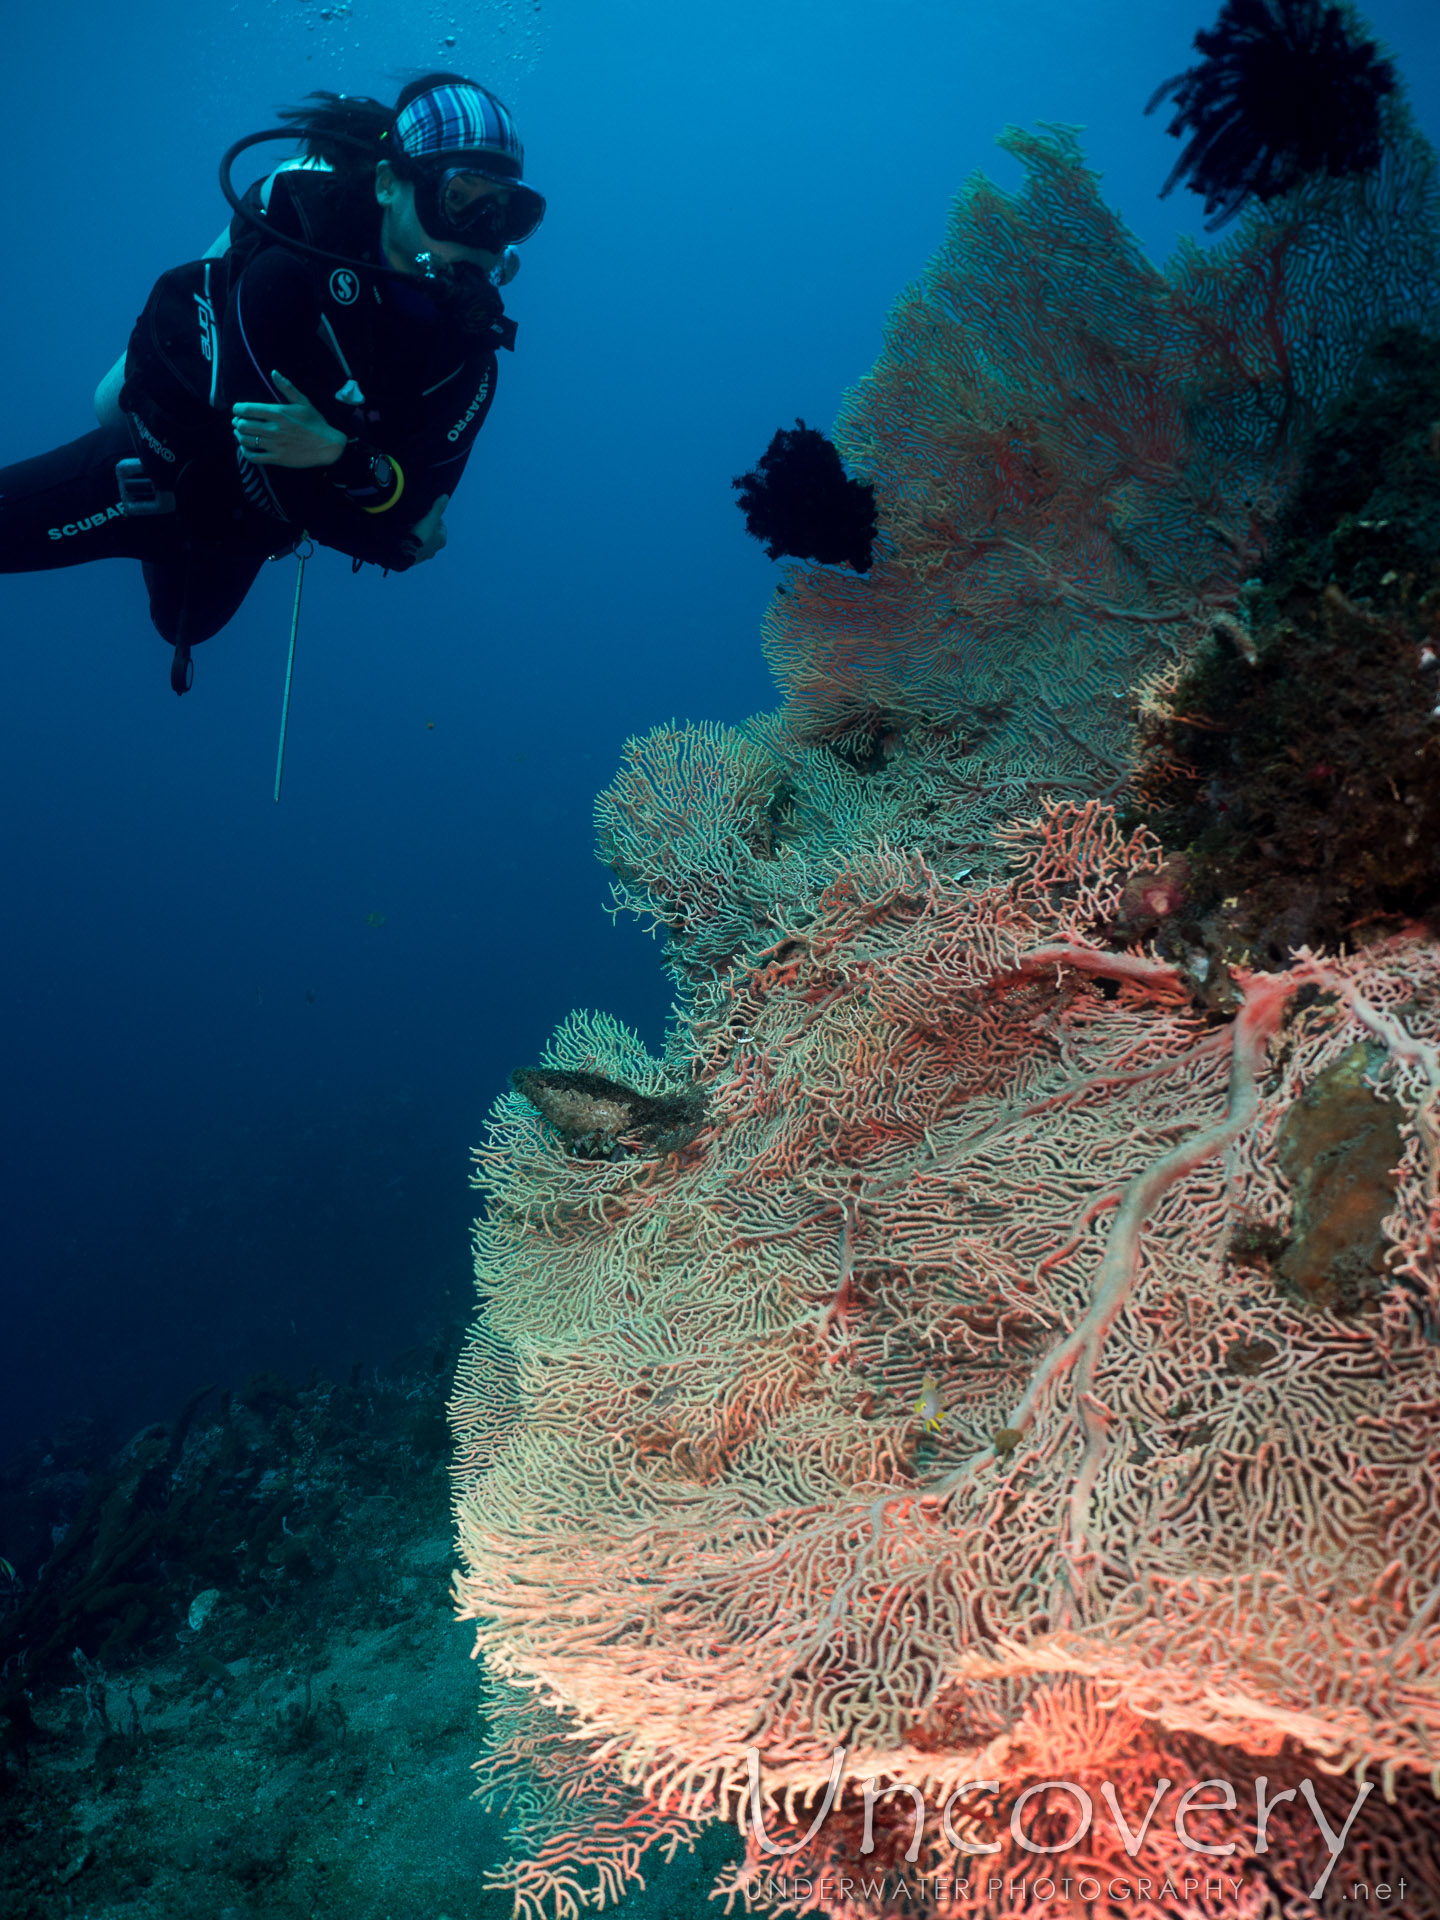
(1076, 456)
(955, 1135)
(1027, 1372)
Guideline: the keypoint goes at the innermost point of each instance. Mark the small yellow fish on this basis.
(929, 1406)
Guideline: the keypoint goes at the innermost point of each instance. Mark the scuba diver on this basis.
(322, 372)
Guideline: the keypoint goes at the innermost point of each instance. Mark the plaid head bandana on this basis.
(462, 119)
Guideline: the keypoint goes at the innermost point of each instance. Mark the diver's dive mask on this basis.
(472, 208)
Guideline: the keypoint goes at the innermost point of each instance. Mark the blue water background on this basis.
(237, 1114)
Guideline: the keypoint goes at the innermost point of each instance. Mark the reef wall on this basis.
(1022, 1366)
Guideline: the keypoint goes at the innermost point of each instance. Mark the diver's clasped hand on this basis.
(296, 434)
(291, 435)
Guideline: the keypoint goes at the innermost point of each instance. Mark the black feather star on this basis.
(1284, 90)
(799, 501)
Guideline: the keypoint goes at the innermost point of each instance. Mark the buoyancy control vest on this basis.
(173, 377)
(172, 362)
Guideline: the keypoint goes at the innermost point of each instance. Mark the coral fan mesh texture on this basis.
(1176, 1515)
(1076, 458)
(1075, 453)
(956, 1139)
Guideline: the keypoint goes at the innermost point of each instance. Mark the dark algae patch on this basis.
(1297, 760)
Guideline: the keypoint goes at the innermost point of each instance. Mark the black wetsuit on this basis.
(395, 369)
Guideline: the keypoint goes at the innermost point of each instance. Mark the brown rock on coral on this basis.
(1339, 1148)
